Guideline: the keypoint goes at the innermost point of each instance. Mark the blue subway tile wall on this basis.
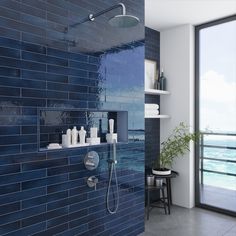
(91, 67)
(152, 126)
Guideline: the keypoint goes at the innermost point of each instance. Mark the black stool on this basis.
(162, 199)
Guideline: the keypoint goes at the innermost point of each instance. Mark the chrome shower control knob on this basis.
(91, 160)
(92, 182)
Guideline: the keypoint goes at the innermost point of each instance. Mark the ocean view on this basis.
(220, 180)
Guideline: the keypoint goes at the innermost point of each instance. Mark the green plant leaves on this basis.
(176, 145)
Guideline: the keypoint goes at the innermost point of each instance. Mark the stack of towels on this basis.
(151, 110)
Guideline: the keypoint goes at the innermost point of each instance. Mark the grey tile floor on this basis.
(189, 222)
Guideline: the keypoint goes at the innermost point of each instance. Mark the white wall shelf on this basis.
(157, 117)
(156, 92)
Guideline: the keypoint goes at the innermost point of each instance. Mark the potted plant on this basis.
(176, 145)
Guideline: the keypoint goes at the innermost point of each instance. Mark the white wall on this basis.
(177, 60)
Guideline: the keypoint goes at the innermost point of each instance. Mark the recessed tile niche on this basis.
(52, 123)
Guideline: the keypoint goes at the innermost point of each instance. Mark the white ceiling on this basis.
(163, 14)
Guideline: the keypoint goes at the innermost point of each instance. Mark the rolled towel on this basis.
(151, 106)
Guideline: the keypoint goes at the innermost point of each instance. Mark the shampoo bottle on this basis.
(82, 134)
(74, 135)
(68, 137)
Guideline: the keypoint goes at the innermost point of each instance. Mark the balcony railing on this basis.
(202, 157)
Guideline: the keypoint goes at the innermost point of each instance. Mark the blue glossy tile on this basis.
(22, 195)
(18, 120)
(29, 111)
(17, 25)
(8, 208)
(13, 226)
(10, 33)
(75, 231)
(86, 204)
(9, 169)
(37, 5)
(29, 129)
(66, 71)
(79, 221)
(9, 91)
(66, 217)
(32, 229)
(22, 157)
(34, 93)
(29, 147)
(22, 214)
(57, 95)
(94, 60)
(10, 62)
(8, 52)
(33, 66)
(64, 186)
(9, 149)
(44, 216)
(33, 48)
(32, 10)
(9, 14)
(66, 201)
(44, 164)
(64, 169)
(12, 72)
(81, 81)
(67, 55)
(21, 82)
(44, 59)
(83, 66)
(9, 188)
(15, 178)
(39, 182)
(9, 130)
(53, 231)
(66, 104)
(23, 101)
(44, 199)
(69, 88)
(19, 139)
(11, 43)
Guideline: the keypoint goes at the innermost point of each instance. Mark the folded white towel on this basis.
(151, 106)
(54, 146)
(151, 113)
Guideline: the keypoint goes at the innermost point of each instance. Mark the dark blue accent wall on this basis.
(152, 126)
(90, 67)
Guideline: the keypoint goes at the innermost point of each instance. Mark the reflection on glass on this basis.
(217, 115)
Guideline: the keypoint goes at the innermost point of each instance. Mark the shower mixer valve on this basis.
(91, 160)
(92, 182)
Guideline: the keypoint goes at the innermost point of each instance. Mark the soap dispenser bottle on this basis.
(82, 134)
(74, 135)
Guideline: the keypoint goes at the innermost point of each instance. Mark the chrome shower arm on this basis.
(91, 17)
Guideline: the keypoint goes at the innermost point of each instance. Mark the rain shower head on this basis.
(121, 21)
(124, 21)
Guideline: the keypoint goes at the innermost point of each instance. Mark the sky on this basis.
(218, 78)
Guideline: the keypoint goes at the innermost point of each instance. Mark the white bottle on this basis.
(68, 136)
(74, 136)
(111, 126)
(82, 134)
